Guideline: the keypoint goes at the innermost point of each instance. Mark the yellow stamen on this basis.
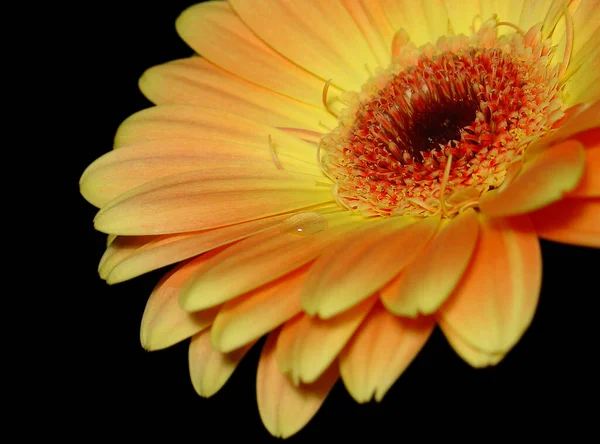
(512, 25)
(569, 45)
(324, 98)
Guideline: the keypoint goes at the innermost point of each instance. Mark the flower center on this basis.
(443, 124)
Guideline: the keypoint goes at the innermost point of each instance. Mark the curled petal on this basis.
(380, 351)
(284, 407)
(496, 299)
(543, 180)
(164, 322)
(471, 355)
(428, 281)
(209, 368)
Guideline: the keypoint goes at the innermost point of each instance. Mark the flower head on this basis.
(344, 176)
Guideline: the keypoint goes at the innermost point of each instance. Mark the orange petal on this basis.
(207, 199)
(274, 252)
(285, 408)
(543, 180)
(129, 259)
(252, 315)
(197, 122)
(571, 221)
(164, 322)
(428, 281)
(589, 185)
(195, 81)
(496, 299)
(121, 170)
(209, 27)
(472, 356)
(305, 33)
(210, 369)
(380, 351)
(356, 268)
(308, 345)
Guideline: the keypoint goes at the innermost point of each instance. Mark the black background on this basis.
(124, 391)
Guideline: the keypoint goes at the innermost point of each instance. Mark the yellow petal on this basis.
(496, 299)
(121, 170)
(305, 33)
(461, 14)
(210, 369)
(160, 251)
(195, 81)
(197, 122)
(164, 322)
(472, 356)
(205, 199)
(274, 253)
(543, 180)
(380, 351)
(250, 316)
(285, 408)
(356, 268)
(308, 345)
(212, 26)
(571, 221)
(428, 281)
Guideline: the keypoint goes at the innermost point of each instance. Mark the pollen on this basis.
(443, 124)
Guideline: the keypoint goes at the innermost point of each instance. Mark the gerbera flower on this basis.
(344, 176)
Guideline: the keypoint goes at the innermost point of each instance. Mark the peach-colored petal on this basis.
(250, 316)
(589, 185)
(209, 368)
(571, 221)
(359, 266)
(380, 351)
(195, 81)
(160, 251)
(474, 357)
(210, 198)
(496, 299)
(274, 253)
(196, 122)
(543, 180)
(308, 345)
(430, 279)
(320, 36)
(285, 408)
(164, 322)
(209, 27)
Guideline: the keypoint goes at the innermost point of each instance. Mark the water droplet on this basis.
(304, 224)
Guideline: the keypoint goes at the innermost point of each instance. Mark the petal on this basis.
(320, 36)
(196, 122)
(275, 252)
(543, 180)
(428, 281)
(252, 315)
(195, 81)
(589, 185)
(571, 221)
(461, 14)
(160, 251)
(205, 199)
(210, 369)
(308, 345)
(357, 267)
(285, 408)
(472, 356)
(212, 26)
(164, 322)
(380, 351)
(496, 299)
